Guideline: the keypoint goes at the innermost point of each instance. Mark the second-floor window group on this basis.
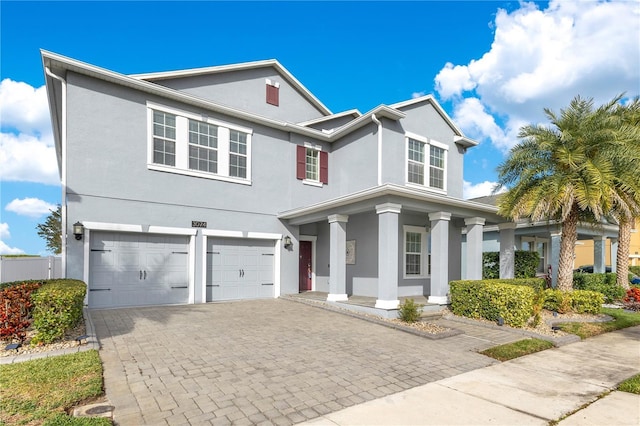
(191, 146)
(426, 162)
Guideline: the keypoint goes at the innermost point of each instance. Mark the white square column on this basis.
(388, 255)
(599, 254)
(507, 249)
(439, 293)
(337, 258)
(475, 226)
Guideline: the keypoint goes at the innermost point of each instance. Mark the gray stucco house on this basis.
(236, 182)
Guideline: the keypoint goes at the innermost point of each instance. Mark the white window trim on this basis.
(311, 182)
(424, 255)
(426, 164)
(182, 145)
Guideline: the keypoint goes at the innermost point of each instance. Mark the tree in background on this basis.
(51, 230)
(568, 171)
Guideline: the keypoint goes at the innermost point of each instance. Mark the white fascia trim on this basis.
(353, 112)
(264, 236)
(312, 183)
(171, 230)
(105, 226)
(222, 233)
(313, 146)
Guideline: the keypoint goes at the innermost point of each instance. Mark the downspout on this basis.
(63, 169)
(379, 123)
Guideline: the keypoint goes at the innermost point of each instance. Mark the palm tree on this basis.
(565, 171)
(628, 180)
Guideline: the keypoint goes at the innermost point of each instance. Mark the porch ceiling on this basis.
(411, 199)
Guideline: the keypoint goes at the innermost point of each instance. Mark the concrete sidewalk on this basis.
(531, 390)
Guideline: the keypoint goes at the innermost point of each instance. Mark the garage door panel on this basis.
(138, 269)
(236, 269)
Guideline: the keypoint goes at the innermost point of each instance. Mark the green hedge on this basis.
(579, 301)
(57, 308)
(602, 283)
(634, 270)
(525, 264)
(491, 300)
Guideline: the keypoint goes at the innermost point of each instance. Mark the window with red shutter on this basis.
(324, 167)
(301, 157)
(273, 96)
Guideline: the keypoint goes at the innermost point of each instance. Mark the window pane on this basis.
(436, 169)
(437, 157)
(436, 178)
(413, 264)
(416, 173)
(312, 164)
(416, 151)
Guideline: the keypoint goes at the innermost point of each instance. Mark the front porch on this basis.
(365, 304)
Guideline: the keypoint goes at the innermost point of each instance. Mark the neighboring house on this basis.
(236, 182)
(544, 238)
(584, 249)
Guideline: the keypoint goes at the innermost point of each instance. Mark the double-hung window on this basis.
(196, 145)
(416, 259)
(426, 162)
(312, 165)
(203, 146)
(164, 138)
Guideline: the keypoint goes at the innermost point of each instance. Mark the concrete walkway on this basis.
(531, 390)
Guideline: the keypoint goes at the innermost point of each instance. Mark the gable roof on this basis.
(352, 112)
(460, 138)
(269, 63)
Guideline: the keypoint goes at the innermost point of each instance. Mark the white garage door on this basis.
(239, 269)
(128, 269)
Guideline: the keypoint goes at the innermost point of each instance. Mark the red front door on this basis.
(304, 266)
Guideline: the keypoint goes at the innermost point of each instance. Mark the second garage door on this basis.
(239, 269)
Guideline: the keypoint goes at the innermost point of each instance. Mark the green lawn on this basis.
(631, 385)
(517, 349)
(622, 319)
(40, 391)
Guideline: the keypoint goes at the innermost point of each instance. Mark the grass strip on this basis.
(41, 390)
(517, 349)
(621, 319)
(631, 385)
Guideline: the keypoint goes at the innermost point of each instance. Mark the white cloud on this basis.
(32, 207)
(5, 249)
(4, 230)
(543, 58)
(24, 107)
(417, 94)
(475, 190)
(26, 141)
(28, 159)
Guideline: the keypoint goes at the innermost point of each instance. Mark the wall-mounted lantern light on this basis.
(287, 242)
(78, 230)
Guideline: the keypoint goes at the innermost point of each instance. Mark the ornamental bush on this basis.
(586, 302)
(409, 311)
(57, 308)
(492, 299)
(634, 270)
(15, 309)
(602, 283)
(525, 264)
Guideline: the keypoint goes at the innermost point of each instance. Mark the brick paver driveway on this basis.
(259, 362)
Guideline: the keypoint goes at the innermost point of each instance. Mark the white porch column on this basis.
(388, 255)
(599, 252)
(554, 257)
(337, 258)
(614, 254)
(507, 251)
(474, 247)
(439, 257)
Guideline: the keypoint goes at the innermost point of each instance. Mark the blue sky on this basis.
(492, 65)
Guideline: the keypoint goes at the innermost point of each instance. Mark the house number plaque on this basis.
(198, 224)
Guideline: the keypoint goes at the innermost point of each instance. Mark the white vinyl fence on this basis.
(29, 268)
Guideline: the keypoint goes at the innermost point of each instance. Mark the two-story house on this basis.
(236, 182)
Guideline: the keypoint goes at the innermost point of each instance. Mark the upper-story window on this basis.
(273, 93)
(164, 138)
(426, 162)
(312, 165)
(195, 145)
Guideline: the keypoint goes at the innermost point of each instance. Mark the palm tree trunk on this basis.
(622, 257)
(567, 250)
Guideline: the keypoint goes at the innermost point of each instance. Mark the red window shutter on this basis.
(301, 162)
(273, 97)
(324, 167)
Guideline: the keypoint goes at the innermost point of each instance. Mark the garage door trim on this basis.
(150, 229)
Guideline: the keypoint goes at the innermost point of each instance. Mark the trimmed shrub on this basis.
(634, 270)
(602, 283)
(15, 310)
(409, 311)
(491, 300)
(57, 308)
(586, 302)
(525, 264)
(557, 300)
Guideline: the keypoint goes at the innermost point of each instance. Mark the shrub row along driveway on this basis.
(266, 361)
